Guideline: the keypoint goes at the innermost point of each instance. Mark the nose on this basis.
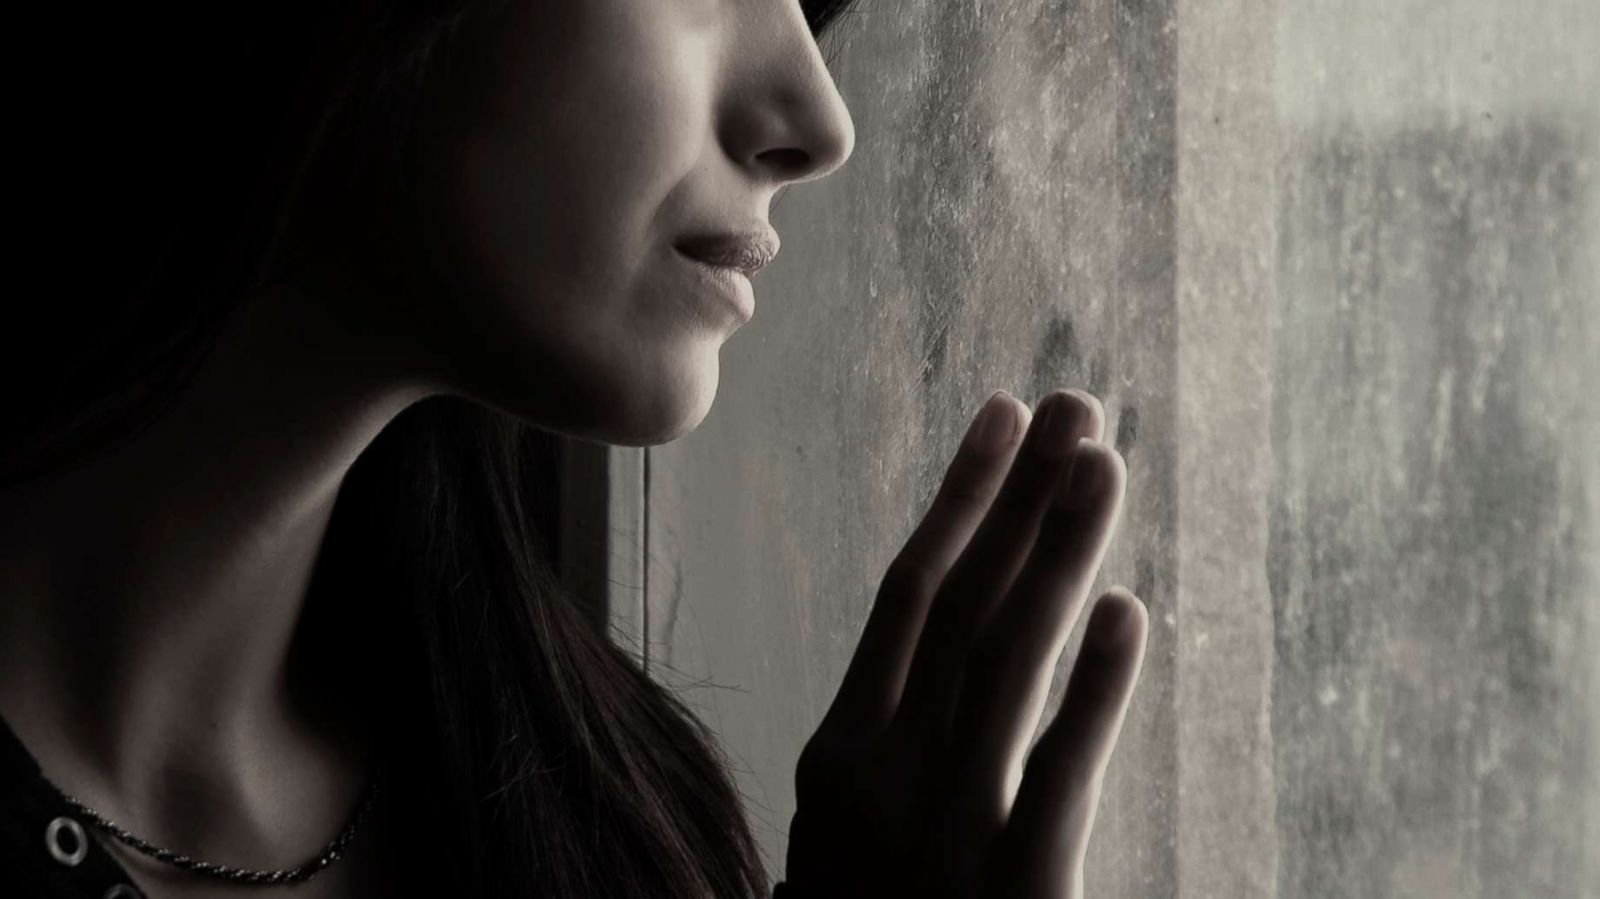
(787, 122)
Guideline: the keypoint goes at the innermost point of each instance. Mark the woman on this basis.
(278, 614)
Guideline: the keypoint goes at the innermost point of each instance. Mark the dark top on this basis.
(46, 850)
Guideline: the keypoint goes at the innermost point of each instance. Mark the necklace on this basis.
(300, 874)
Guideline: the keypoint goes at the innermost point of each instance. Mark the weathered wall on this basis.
(1334, 269)
(1432, 547)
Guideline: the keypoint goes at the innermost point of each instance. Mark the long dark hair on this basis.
(542, 758)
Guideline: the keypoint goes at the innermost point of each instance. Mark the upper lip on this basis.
(747, 250)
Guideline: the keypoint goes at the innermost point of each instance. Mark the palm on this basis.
(918, 781)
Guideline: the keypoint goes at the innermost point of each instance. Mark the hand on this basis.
(915, 783)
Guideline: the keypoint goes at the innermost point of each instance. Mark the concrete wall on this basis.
(1334, 269)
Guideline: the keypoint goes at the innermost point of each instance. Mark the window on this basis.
(1334, 270)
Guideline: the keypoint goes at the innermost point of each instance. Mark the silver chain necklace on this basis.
(330, 853)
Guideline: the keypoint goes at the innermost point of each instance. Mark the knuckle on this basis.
(962, 492)
(909, 575)
(809, 772)
(821, 762)
(1079, 800)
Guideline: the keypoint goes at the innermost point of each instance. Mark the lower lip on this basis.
(730, 283)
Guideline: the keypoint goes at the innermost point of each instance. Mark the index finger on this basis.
(867, 698)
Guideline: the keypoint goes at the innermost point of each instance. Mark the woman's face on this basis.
(564, 151)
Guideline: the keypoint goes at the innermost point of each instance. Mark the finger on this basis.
(872, 683)
(1014, 660)
(1044, 843)
(986, 567)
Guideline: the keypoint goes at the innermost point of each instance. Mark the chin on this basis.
(651, 432)
(676, 410)
(622, 408)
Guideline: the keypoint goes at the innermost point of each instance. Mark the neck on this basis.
(148, 599)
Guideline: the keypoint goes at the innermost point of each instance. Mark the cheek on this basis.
(545, 208)
(549, 184)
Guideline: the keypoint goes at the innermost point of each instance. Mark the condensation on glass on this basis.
(1334, 269)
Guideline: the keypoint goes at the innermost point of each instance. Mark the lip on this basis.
(728, 282)
(748, 250)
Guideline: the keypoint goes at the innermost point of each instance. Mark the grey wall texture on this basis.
(1334, 269)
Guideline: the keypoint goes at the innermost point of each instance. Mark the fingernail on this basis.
(1080, 489)
(995, 426)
